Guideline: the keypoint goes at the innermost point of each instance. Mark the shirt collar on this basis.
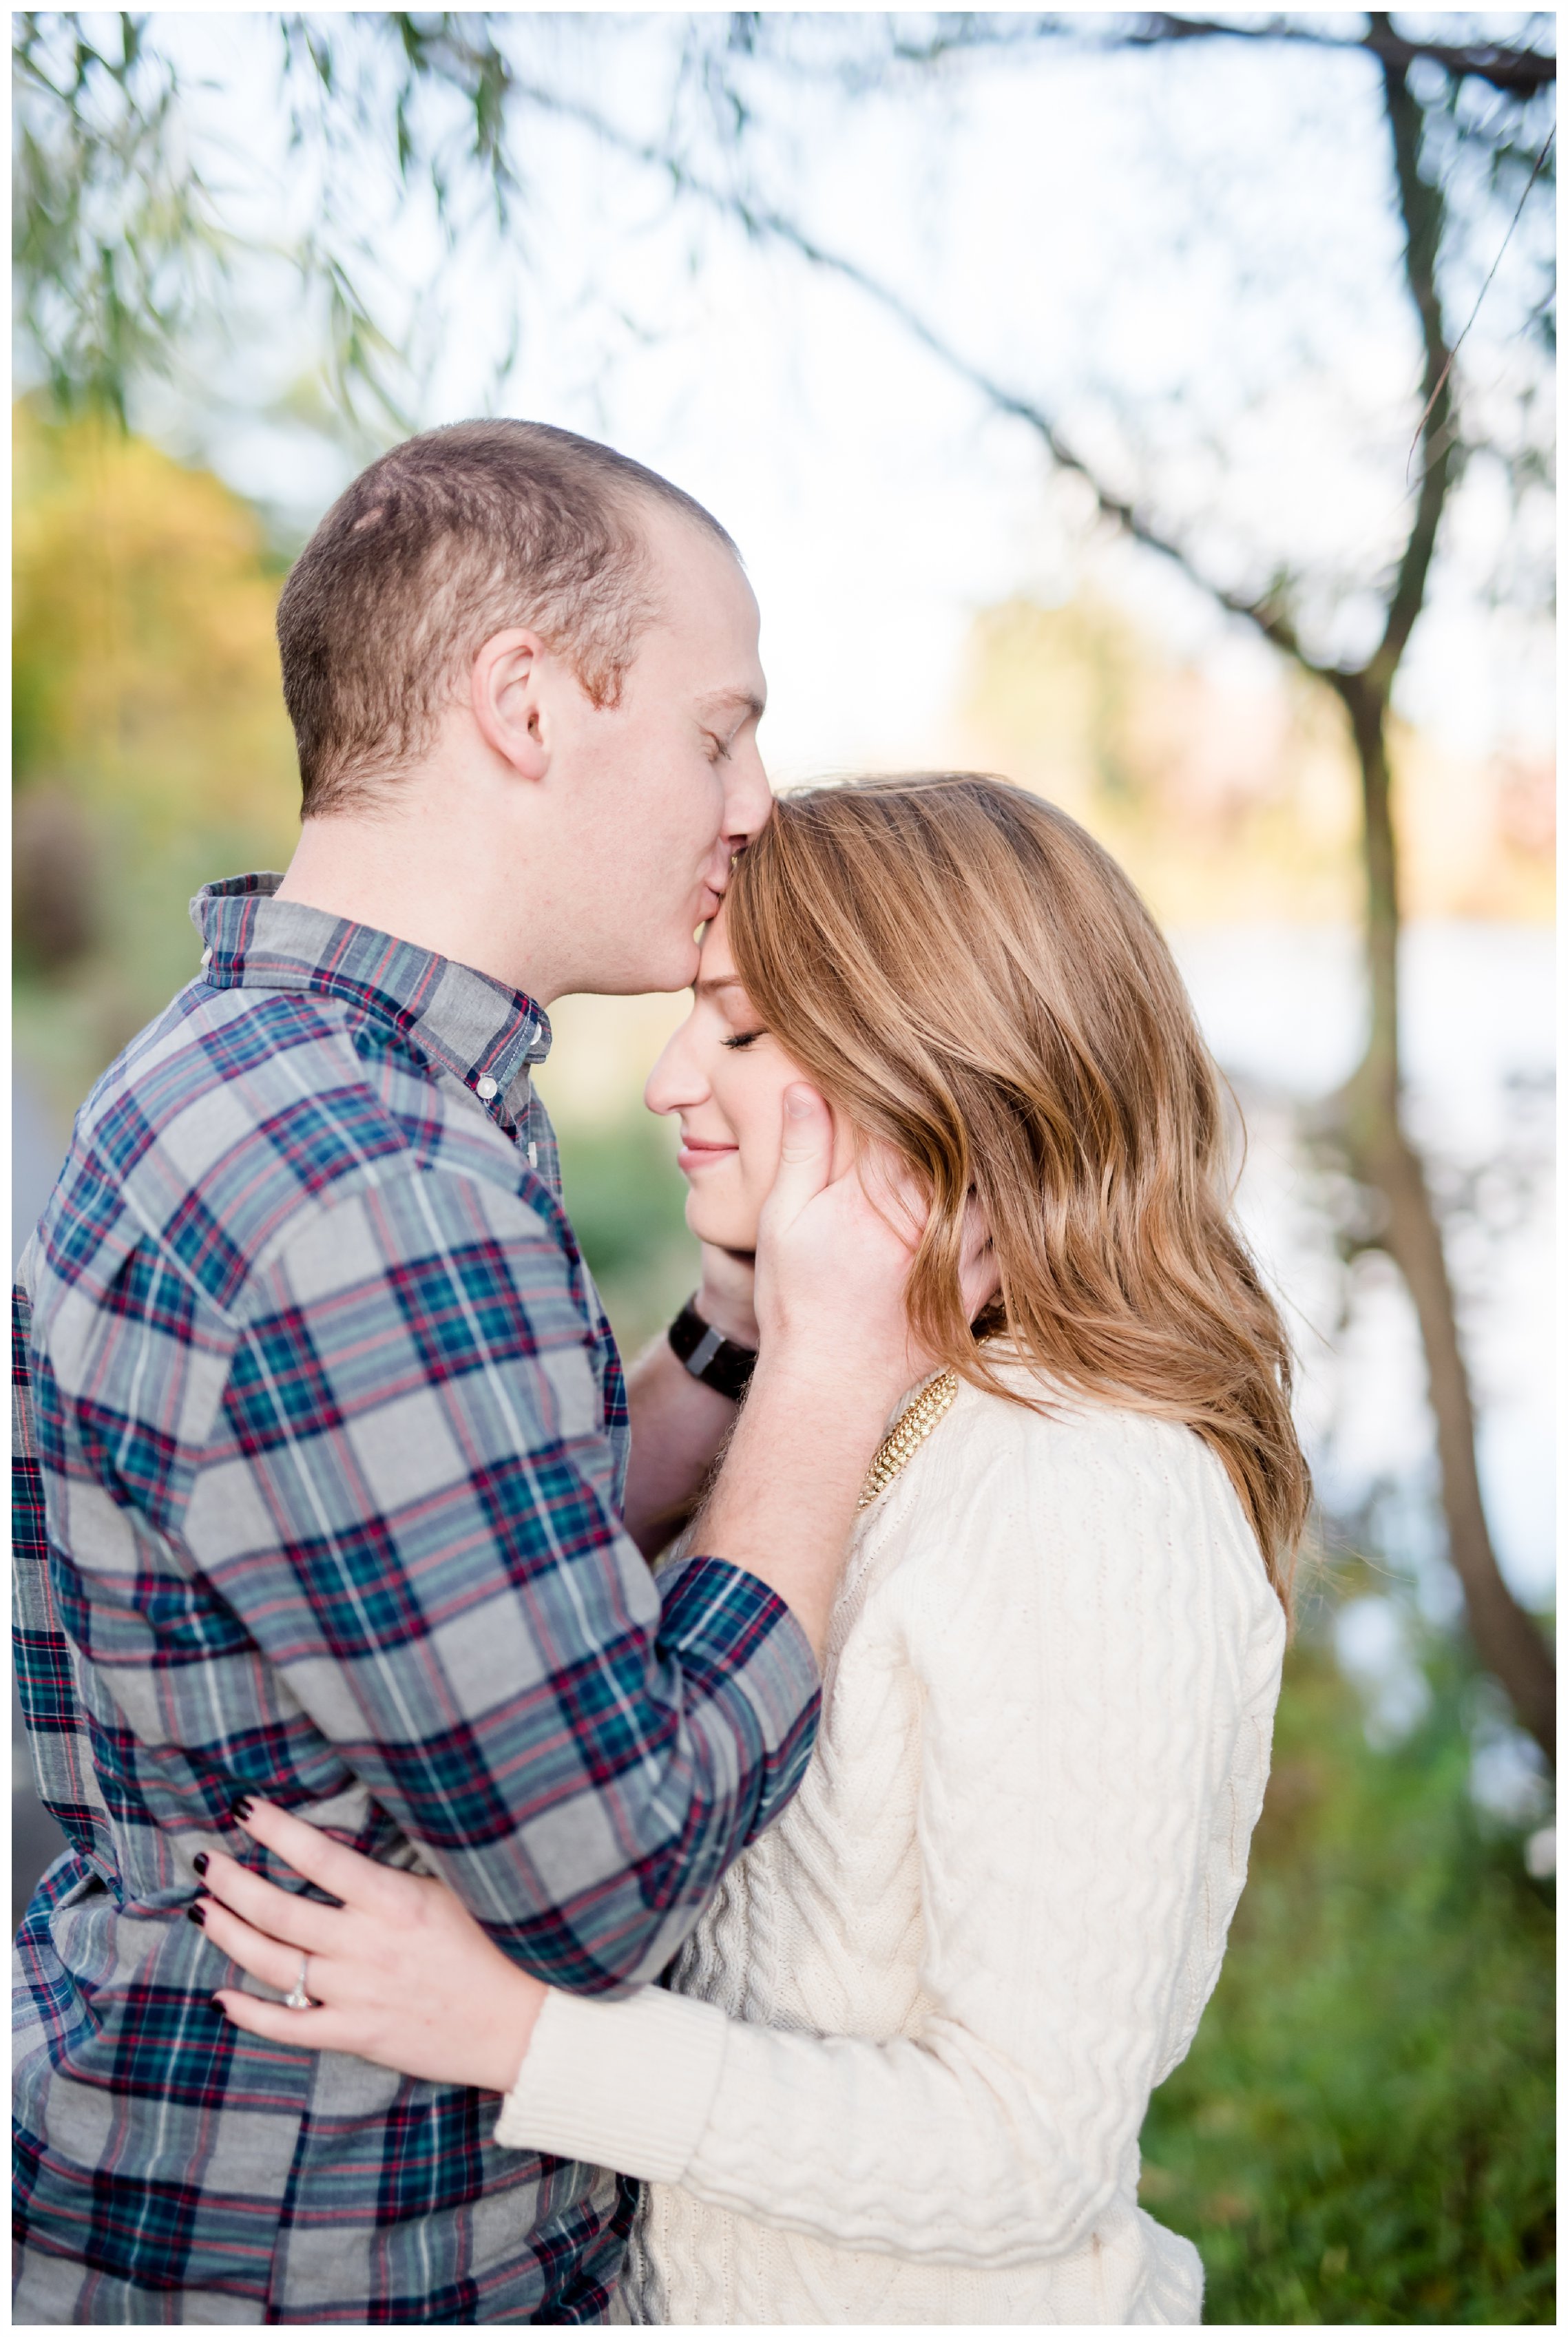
(469, 1022)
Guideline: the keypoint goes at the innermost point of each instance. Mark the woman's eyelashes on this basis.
(742, 1039)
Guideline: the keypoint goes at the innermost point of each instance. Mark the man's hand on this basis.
(834, 1250)
(833, 1256)
(836, 1240)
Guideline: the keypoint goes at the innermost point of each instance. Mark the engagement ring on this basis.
(297, 1998)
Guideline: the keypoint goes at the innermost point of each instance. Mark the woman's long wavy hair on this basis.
(965, 973)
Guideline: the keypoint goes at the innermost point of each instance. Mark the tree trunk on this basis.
(1369, 1125)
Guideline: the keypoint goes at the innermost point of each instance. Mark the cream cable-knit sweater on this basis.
(911, 2045)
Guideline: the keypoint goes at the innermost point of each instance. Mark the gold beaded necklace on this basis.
(906, 1435)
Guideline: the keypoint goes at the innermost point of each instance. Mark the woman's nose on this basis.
(676, 1083)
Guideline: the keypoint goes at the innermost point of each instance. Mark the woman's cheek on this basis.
(761, 1148)
(705, 1216)
(718, 1209)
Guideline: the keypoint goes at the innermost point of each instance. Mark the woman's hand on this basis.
(727, 1293)
(400, 1973)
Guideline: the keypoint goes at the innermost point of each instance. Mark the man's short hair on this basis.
(447, 539)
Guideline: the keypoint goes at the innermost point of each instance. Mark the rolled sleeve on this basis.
(410, 1501)
(741, 1649)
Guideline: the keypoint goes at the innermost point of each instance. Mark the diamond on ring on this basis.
(297, 1999)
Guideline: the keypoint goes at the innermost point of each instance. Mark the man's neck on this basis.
(400, 874)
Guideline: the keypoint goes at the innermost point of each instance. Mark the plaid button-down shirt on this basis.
(322, 1438)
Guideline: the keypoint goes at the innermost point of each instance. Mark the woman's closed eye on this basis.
(742, 1039)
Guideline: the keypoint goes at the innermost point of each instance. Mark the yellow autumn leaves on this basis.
(151, 750)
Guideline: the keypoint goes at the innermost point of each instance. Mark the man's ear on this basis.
(508, 700)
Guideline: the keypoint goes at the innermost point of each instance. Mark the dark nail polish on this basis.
(197, 1914)
(200, 1861)
(241, 1809)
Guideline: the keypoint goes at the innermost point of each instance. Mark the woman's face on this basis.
(726, 1076)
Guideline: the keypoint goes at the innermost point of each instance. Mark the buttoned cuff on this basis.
(627, 2084)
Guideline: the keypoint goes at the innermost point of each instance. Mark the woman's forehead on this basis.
(714, 964)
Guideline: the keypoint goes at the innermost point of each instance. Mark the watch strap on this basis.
(719, 1363)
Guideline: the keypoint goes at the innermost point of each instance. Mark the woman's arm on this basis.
(398, 1972)
(679, 1424)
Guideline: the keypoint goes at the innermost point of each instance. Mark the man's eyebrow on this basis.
(741, 702)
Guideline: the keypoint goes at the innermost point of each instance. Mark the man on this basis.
(322, 1431)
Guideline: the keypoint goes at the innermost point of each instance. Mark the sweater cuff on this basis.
(626, 2083)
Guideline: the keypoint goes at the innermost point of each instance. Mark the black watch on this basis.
(718, 1362)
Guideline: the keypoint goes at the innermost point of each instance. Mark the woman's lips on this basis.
(694, 1154)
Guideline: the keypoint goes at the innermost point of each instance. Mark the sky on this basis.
(1191, 256)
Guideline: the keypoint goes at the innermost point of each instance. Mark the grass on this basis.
(1364, 2130)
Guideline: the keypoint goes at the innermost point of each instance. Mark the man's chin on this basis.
(671, 969)
(684, 959)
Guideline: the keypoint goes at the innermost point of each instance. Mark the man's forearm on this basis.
(784, 1505)
(678, 1426)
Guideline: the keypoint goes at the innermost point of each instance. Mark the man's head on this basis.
(536, 662)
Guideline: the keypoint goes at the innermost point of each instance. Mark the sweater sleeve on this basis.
(1078, 1620)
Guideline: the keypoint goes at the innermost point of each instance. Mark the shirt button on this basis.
(533, 1156)
(206, 957)
(485, 1088)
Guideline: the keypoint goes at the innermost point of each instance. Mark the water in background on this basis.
(1282, 1009)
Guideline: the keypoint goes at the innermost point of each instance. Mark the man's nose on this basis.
(749, 801)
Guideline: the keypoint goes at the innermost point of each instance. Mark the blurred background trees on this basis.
(1157, 408)
(149, 742)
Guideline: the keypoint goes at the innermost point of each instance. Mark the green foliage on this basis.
(627, 1202)
(1364, 2131)
(115, 237)
(124, 255)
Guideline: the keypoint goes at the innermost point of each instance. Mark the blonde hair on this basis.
(965, 973)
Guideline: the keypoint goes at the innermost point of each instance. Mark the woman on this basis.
(900, 2068)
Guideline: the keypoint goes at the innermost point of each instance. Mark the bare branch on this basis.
(1266, 611)
(1421, 215)
(1519, 72)
(1541, 161)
